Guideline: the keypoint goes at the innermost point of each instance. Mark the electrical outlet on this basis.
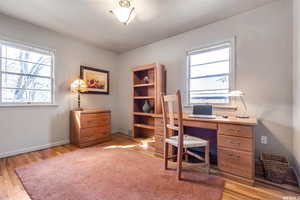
(264, 139)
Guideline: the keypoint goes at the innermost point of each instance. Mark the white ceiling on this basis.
(90, 20)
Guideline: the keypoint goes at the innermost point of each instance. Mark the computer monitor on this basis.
(202, 110)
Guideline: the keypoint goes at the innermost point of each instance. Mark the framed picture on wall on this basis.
(97, 80)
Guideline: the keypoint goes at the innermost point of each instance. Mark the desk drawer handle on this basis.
(235, 143)
(234, 131)
(234, 156)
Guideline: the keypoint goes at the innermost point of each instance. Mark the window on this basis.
(26, 74)
(211, 74)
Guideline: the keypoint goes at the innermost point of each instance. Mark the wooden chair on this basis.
(173, 121)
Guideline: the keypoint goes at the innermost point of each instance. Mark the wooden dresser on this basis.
(89, 127)
(235, 143)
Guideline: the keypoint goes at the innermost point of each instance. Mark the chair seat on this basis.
(188, 141)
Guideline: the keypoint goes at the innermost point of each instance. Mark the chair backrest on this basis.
(172, 114)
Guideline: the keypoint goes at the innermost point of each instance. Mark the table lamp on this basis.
(237, 93)
(78, 86)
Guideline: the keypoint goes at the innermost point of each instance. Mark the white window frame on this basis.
(232, 66)
(33, 48)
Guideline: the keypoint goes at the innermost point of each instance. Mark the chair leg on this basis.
(207, 159)
(179, 162)
(186, 156)
(166, 155)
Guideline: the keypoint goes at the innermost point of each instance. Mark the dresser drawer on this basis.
(95, 116)
(235, 130)
(95, 120)
(237, 143)
(89, 134)
(236, 162)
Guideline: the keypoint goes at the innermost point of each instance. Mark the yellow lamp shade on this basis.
(78, 85)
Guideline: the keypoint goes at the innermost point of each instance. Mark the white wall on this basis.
(263, 68)
(296, 72)
(28, 128)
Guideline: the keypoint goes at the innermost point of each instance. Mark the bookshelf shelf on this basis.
(145, 97)
(144, 126)
(144, 85)
(143, 114)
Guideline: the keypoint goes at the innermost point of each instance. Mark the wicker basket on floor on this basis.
(275, 167)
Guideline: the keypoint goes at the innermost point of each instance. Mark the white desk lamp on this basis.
(237, 93)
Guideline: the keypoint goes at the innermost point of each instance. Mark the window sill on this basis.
(27, 105)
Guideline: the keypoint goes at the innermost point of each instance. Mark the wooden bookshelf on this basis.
(147, 89)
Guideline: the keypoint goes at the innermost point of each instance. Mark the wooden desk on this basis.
(235, 143)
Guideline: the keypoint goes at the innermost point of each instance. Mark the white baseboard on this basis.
(36, 148)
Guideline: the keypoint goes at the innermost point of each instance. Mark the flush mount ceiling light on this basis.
(125, 13)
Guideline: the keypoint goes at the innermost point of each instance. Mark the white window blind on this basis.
(210, 74)
(26, 74)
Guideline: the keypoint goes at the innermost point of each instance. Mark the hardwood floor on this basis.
(11, 188)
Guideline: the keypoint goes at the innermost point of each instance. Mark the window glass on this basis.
(25, 75)
(210, 74)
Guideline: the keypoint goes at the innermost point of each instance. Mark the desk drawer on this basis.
(235, 130)
(191, 123)
(159, 145)
(159, 139)
(159, 122)
(199, 124)
(236, 162)
(159, 131)
(237, 143)
(159, 126)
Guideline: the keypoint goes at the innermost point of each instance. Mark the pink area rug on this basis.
(114, 174)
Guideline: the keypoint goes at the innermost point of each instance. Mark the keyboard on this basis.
(203, 116)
